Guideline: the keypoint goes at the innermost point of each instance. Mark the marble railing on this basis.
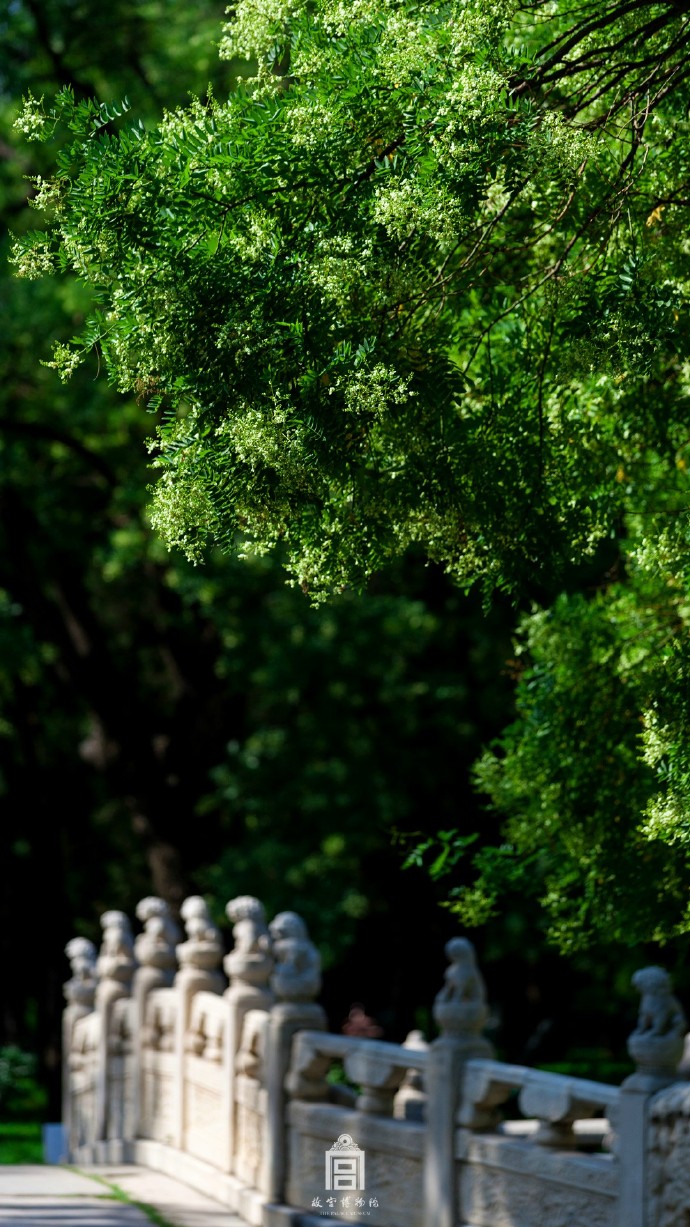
(236, 1086)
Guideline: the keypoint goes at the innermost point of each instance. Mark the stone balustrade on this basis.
(236, 1086)
(556, 1111)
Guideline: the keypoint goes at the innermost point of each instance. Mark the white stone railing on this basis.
(556, 1111)
(239, 1089)
(507, 1165)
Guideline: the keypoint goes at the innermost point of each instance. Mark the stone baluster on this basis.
(484, 1089)
(114, 969)
(656, 1047)
(557, 1105)
(309, 1065)
(551, 1102)
(80, 991)
(380, 1077)
(410, 1100)
(199, 959)
(249, 967)
(295, 982)
(460, 1012)
(154, 950)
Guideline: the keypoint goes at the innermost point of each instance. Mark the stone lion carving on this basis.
(661, 1013)
(462, 981)
(250, 961)
(116, 955)
(297, 975)
(249, 919)
(203, 948)
(155, 947)
(460, 1006)
(82, 957)
(656, 1044)
(80, 988)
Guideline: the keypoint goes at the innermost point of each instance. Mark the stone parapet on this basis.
(241, 1091)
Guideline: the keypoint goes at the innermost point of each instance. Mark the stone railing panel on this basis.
(120, 1086)
(83, 1072)
(393, 1154)
(248, 1111)
(250, 1057)
(206, 1033)
(250, 1129)
(160, 1020)
(158, 1067)
(393, 1149)
(503, 1182)
(377, 1067)
(526, 1172)
(205, 1108)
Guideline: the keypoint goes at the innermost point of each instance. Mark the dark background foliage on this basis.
(167, 728)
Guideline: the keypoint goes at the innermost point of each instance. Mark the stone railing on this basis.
(237, 1087)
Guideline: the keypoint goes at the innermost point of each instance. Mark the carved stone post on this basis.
(460, 1011)
(114, 968)
(80, 992)
(199, 959)
(656, 1047)
(155, 952)
(248, 968)
(295, 982)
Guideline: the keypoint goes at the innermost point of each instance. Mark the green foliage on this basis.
(17, 1069)
(421, 279)
(306, 275)
(594, 775)
(21, 1098)
(201, 729)
(20, 1142)
(357, 716)
(568, 775)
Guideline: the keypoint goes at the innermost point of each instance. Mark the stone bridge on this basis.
(236, 1088)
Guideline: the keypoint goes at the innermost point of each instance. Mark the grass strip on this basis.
(118, 1194)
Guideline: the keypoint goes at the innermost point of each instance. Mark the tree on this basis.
(165, 728)
(82, 659)
(421, 279)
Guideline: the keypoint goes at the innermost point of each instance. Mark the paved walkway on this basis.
(105, 1196)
